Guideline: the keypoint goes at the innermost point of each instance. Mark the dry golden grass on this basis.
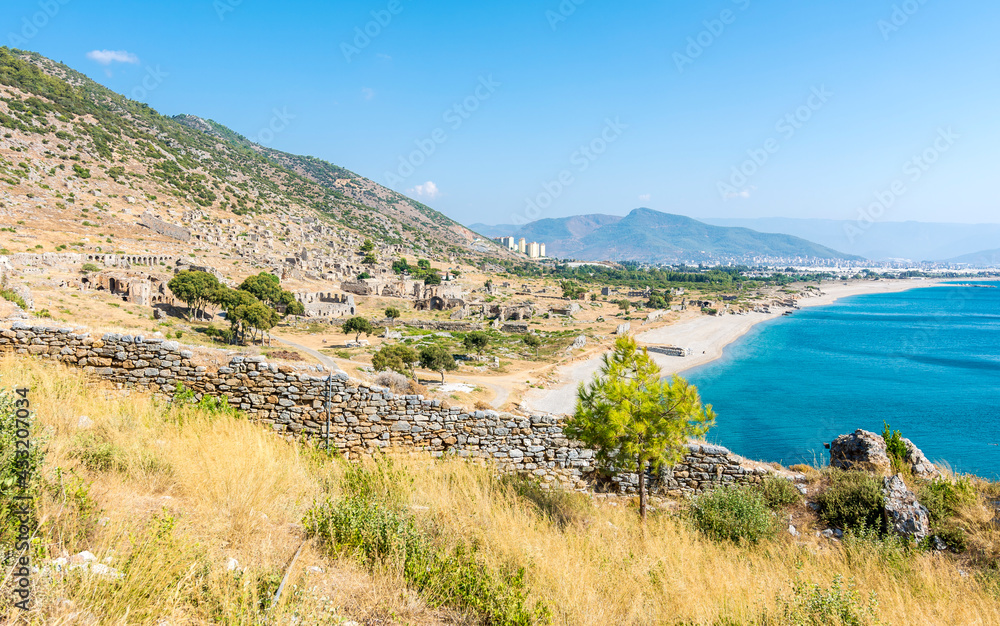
(189, 490)
(222, 486)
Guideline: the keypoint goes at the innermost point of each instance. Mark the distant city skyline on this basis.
(509, 113)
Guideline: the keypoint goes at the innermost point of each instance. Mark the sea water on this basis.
(925, 361)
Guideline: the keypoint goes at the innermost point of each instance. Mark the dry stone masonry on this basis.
(363, 418)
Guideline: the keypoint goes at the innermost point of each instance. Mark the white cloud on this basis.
(383, 57)
(644, 197)
(428, 190)
(367, 93)
(746, 193)
(107, 57)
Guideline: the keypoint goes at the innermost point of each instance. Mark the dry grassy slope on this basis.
(230, 489)
(201, 164)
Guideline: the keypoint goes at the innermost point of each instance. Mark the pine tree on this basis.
(634, 419)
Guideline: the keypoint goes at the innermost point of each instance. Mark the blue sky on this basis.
(579, 106)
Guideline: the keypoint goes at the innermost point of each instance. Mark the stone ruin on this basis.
(125, 261)
(133, 287)
(327, 304)
(167, 229)
(441, 298)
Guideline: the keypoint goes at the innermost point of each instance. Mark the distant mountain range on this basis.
(984, 258)
(916, 241)
(649, 236)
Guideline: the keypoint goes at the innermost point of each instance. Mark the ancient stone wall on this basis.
(363, 418)
(167, 229)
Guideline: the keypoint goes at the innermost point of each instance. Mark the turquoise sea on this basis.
(927, 361)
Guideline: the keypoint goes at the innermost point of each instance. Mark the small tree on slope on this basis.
(635, 420)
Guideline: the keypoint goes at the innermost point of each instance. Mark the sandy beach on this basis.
(706, 336)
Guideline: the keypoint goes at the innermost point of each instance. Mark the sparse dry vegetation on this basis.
(170, 493)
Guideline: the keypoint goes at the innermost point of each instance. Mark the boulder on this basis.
(862, 450)
(903, 514)
(919, 464)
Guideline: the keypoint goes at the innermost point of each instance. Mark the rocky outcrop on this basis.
(903, 514)
(861, 450)
(919, 464)
(865, 450)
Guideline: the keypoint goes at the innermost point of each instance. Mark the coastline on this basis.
(706, 336)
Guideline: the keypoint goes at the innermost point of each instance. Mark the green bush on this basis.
(852, 500)
(840, 605)
(10, 296)
(779, 492)
(894, 447)
(395, 357)
(943, 498)
(733, 514)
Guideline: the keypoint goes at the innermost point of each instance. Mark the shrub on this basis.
(840, 604)
(11, 296)
(853, 500)
(734, 514)
(894, 447)
(943, 498)
(779, 492)
(477, 341)
(394, 381)
(395, 357)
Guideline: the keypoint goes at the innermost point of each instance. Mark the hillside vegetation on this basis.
(200, 512)
(55, 109)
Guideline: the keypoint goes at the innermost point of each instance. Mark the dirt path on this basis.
(326, 361)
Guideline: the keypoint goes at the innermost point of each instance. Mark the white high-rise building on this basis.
(533, 250)
(507, 241)
(521, 246)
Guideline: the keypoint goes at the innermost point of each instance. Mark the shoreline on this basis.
(707, 337)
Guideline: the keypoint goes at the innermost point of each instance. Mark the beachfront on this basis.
(706, 336)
